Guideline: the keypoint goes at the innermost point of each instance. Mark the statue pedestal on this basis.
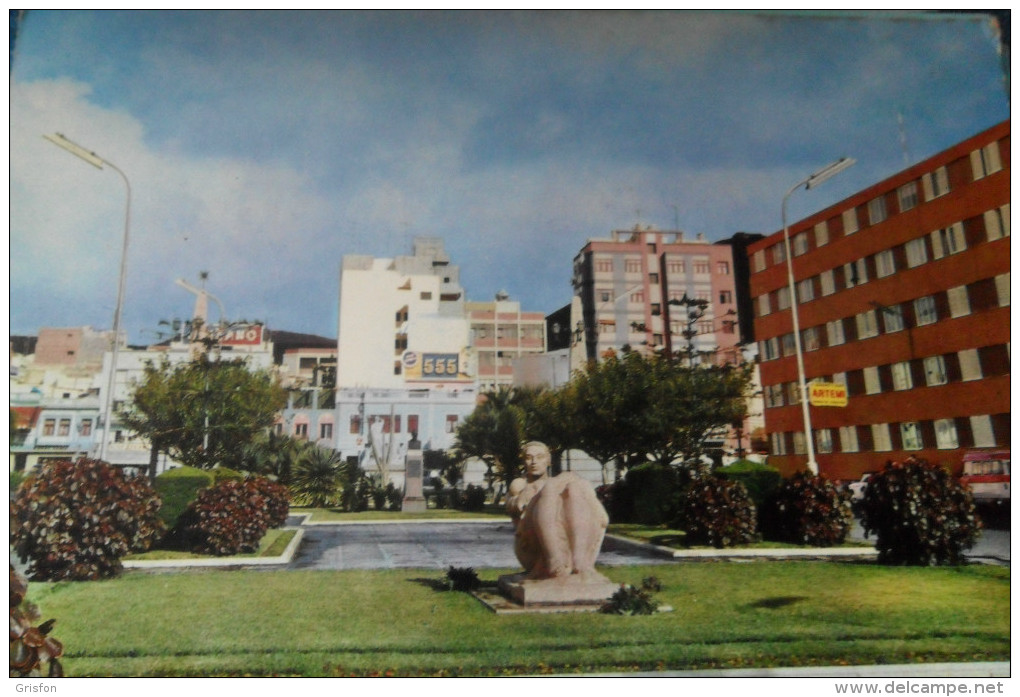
(566, 590)
(414, 499)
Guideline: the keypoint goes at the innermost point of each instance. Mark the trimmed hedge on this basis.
(760, 480)
(179, 487)
(647, 495)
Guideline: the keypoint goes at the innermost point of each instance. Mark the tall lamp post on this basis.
(809, 183)
(96, 161)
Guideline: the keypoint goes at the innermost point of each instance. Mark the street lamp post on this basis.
(809, 183)
(96, 161)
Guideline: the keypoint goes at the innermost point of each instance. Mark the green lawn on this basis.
(668, 537)
(272, 544)
(376, 622)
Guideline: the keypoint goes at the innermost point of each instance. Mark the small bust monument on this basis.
(559, 525)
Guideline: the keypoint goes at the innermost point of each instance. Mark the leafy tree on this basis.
(551, 416)
(272, 455)
(203, 412)
(493, 433)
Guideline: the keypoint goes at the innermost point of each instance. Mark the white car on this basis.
(857, 488)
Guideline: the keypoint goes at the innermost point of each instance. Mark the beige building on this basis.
(500, 335)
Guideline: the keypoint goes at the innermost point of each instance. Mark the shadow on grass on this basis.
(442, 585)
(778, 602)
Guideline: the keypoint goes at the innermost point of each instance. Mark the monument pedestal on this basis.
(576, 589)
(414, 499)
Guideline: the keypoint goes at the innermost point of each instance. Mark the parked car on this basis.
(986, 472)
(857, 488)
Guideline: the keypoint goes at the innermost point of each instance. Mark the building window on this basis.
(848, 439)
(653, 278)
(800, 244)
(603, 265)
(774, 396)
(823, 440)
(701, 266)
(677, 266)
(997, 223)
(451, 423)
(783, 298)
(885, 264)
(945, 434)
(757, 260)
(778, 253)
(850, 225)
(892, 318)
(778, 443)
(907, 195)
(935, 371)
(935, 184)
(917, 253)
(901, 378)
(872, 384)
(810, 338)
(725, 297)
(924, 310)
(792, 393)
(397, 368)
(959, 304)
(86, 427)
(867, 325)
(799, 446)
(985, 161)
(984, 434)
(880, 437)
(723, 268)
(65, 427)
(1002, 289)
(632, 266)
(834, 332)
(970, 365)
(301, 430)
(764, 307)
(821, 234)
(49, 427)
(855, 273)
(910, 434)
(789, 345)
(605, 296)
(805, 291)
(827, 281)
(948, 241)
(876, 210)
(770, 349)
(325, 430)
(656, 309)
(638, 297)
(355, 426)
(412, 424)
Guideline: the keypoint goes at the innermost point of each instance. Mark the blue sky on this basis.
(262, 147)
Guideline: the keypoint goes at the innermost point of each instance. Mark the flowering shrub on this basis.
(228, 518)
(33, 652)
(717, 512)
(75, 520)
(921, 514)
(807, 509)
(277, 498)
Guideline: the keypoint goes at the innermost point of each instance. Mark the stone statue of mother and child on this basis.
(559, 525)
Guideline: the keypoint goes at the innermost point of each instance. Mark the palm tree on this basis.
(318, 478)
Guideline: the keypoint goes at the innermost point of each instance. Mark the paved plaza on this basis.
(433, 545)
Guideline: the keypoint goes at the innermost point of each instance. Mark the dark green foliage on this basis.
(647, 495)
(921, 514)
(177, 488)
(74, 521)
(394, 497)
(717, 512)
(474, 498)
(222, 474)
(226, 519)
(379, 498)
(357, 491)
(16, 479)
(629, 600)
(651, 584)
(462, 579)
(807, 509)
(277, 499)
(34, 653)
(760, 480)
(318, 478)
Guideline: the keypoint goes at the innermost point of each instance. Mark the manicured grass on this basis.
(272, 544)
(396, 621)
(332, 515)
(668, 537)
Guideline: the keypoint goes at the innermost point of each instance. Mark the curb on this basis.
(751, 554)
(285, 558)
(307, 522)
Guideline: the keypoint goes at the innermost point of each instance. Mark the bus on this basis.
(987, 474)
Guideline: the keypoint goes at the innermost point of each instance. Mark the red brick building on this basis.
(903, 297)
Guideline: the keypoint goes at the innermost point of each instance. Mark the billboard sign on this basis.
(242, 335)
(431, 366)
(827, 394)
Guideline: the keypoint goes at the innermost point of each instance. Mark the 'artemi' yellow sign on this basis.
(827, 394)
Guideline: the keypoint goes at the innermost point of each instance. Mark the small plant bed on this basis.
(664, 536)
(334, 515)
(272, 544)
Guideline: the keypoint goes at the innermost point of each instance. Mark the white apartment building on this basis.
(403, 363)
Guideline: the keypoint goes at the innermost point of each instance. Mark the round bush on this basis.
(177, 488)
(647, 494)
(920, 513)
(75, 520)
(760, 480)
(228, 518)
(717, 512)
(807, 509)
(277, 498)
